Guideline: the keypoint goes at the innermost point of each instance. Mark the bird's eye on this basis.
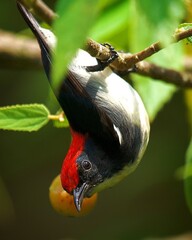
(86, 165)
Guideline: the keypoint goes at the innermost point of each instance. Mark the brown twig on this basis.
(127, 60)
(181, 79)
(18, 52)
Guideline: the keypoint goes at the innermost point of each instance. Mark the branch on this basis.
(18, 52)
(181, 79)
(125, 61)
(25, 54)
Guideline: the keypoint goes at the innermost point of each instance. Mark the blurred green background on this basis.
(148, 204)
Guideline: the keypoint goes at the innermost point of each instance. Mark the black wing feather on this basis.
(86, 117)
(35, 28)
(82, 112)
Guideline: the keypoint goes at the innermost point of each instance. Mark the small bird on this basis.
(108, 121)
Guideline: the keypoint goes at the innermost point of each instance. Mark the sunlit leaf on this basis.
(111, 22)
(156, 94)
(153, 93)
(162, 16)
(71, 28)
(23, 117)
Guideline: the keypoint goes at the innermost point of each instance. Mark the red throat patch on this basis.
(69, 171)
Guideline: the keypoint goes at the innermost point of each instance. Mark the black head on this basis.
(95, 165)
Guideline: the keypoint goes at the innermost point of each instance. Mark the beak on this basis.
(78, 194)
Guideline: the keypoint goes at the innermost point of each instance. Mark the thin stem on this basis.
(58, 117)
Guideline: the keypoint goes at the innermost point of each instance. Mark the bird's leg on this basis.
(101, 65)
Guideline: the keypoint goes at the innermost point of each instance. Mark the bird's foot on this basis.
(102, 64)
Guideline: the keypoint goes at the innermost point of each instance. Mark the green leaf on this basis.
(155, 21)
(153, 93)
(71, 29)
(111, 22)
(162, 17)
(188, 179)
(28, 118)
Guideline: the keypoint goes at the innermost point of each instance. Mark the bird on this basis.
(108, 121)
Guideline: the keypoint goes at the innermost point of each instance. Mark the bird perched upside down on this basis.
(108, 121)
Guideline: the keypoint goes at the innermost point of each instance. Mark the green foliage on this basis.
(188, 177)
(111, 22)
(155, 21)
(29, 117)
(154, 93)
(23, 117)
(71, 28)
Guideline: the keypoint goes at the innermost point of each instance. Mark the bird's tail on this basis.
(45, 38)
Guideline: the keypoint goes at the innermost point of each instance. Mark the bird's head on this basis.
(83, 168)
